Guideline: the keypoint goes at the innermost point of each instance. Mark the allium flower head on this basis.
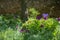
(58, 19)
(45, 15)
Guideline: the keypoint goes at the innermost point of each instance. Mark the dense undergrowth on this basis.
(35, 28)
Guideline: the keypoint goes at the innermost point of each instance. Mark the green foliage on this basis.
(51, 22)
(42, 29)
(32, 25)
(33, 12)
(6, 22)
(37, 29)
(58, 32)
(10, 34)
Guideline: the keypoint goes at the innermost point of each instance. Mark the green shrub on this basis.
(58, 32)
(6, 22)
(10, 34)
(42, 29)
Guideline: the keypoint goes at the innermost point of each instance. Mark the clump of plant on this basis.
(46, 28)
(10, 34)
(6, 22)
(57, 37)
(33, 12)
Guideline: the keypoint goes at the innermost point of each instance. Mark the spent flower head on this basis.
(38, 17)
(24, 30)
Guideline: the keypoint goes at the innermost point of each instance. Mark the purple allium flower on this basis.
(38, 17)
(45, 18)
(45, 15)
(58, 19)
